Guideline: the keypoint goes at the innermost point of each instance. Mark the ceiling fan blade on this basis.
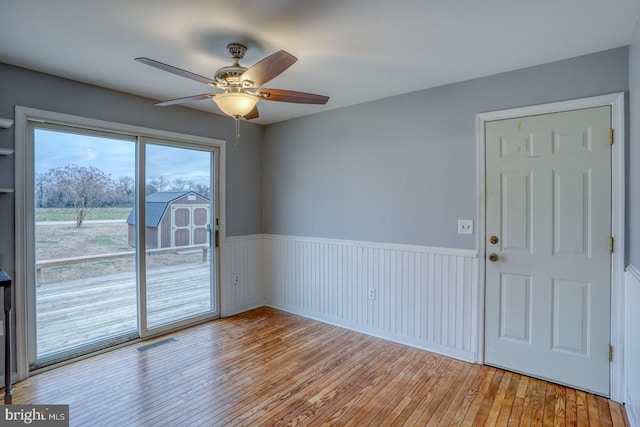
(185, 99)
(175, 70)
(282, 95)
(253, 114)
(268, 68)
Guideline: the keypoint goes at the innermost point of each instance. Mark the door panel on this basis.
(200, 223)
(571, 194)
(548, 200)
(180, 225)
(571, 305)
(84, 294)
(515, 303)
(180, 279)
(516, 194)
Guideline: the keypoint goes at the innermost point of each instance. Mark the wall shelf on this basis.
(6, 123)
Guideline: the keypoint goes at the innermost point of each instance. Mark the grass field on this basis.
(68, 214)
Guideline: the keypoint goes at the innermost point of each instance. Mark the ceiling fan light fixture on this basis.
(236, 104)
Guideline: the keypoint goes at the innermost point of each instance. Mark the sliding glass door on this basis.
(96, 196)
(179, 234)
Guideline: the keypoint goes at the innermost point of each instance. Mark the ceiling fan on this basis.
(241, 87)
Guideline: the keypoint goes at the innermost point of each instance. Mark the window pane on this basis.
(85, 256)
(178, 210)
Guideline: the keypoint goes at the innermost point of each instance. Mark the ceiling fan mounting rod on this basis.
(236, 51)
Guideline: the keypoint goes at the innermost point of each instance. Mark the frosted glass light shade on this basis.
(236, 103)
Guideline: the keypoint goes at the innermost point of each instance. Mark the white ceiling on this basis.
(351, 50)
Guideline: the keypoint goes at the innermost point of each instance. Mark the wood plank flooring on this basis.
(266, 368)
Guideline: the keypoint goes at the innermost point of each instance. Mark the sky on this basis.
(116, 157)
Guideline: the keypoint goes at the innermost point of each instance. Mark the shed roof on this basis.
(156, 205)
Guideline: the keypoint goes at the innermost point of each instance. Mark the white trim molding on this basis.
(616, 101)
(420, 296)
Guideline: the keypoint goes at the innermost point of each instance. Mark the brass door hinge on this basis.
(610, 353)
(611, 244)
(611, 136)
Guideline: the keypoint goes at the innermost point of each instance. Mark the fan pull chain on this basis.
(237, 118)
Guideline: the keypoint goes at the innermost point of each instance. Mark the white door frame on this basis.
(616, 101)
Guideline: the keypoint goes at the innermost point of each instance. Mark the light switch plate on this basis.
(465, 226)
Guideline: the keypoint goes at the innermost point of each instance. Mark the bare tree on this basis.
(126, 185)
(123, 192)
(40, 189)
(157, 183)
(201, 189)
(83, 187)
(179, 184)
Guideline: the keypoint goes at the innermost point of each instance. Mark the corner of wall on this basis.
(631, 350)
(241, 277)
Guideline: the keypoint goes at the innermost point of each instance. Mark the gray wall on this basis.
(31, 89)
(403, 169)
(633, 189)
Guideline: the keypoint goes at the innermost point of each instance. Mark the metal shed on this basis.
(173, 218)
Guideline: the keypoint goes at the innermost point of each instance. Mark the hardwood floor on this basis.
(266, 367)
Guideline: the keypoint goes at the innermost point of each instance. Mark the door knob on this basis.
(493, 257)
(493, 240)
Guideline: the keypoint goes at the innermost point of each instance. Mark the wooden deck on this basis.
(94, 309)
(269, 368)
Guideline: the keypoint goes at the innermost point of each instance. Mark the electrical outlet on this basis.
(236, 279)
(465, 226)
(372, 293)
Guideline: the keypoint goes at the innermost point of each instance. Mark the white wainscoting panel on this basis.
(241, 256)
(632, 345)
(424, 297)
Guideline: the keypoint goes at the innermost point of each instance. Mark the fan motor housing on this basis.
(229, 76)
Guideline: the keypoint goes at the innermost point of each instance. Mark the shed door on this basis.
(189, 225)
(200, 220)
(180, 225)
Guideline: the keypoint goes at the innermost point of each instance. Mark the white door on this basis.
(548, 228)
